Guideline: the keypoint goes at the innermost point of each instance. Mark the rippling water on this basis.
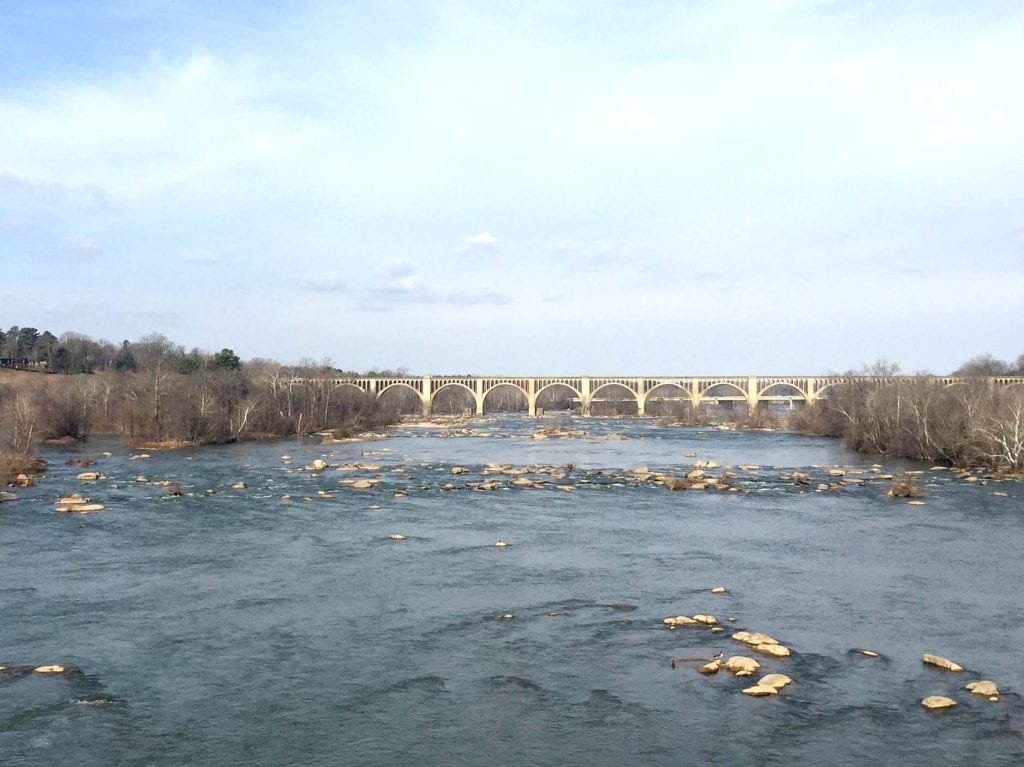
(241, 627)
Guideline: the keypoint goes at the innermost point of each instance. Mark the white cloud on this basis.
(482, 240)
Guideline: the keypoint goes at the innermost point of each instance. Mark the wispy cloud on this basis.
(201, 256)
(88, 198)
(86, 248)
(481, 241)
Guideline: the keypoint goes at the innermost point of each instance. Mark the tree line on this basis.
(974, 424)
(154, 391)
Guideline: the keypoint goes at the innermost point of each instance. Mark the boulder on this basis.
(695, 474)
(756, 638)
(238, 486)
(5, 496)
(741, 665)
(90, 476)
(718, 590)
(679, 620)
(675, 483)
(710, 668)
(938, 660)
(983, 687)
(500, 544)
(778, 681)
(760, 691)
(396, 537)
(24, 480)
(50, 669)
(707, 620)
(459, 470)
(773, 650)
(869, 653)
(362, 484)
(938, 701)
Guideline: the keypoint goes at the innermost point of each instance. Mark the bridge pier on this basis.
(753, 396)
(479, 396)
(585, 398)
(425, 396)
(641, 397)
(531, 398)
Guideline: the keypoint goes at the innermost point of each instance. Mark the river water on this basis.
(242, 627)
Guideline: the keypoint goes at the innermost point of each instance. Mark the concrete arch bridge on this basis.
(586, 390)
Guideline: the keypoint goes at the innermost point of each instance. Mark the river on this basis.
(244, 627)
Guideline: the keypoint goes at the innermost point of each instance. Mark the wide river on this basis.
(279, 624)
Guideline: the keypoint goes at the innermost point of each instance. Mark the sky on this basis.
(534, 188)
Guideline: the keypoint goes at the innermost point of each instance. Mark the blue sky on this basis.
(771, 186)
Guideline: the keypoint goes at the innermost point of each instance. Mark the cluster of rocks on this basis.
(76, 504)
(982, 687)
(738, 665)
(698, 478)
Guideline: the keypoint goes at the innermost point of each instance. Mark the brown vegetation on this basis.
(976, 423)
(154, 393)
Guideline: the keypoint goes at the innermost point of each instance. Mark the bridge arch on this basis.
(399, 385)
(351, 385)
(402, 395)
(770, 390)
(547, 386)
(597, 406)
(497, 390)
(443, 393)
(706, 391)
(512, 384)
(668, 398)
(820, 391)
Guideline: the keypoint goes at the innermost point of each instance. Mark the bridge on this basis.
(586, 390)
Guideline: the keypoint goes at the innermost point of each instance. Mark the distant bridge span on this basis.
(752, 390)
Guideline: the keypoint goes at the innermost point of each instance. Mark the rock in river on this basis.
(938, 701)
(983, 687)
(938, 660)
(741, 665)
(778, 681)
(760, 691)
